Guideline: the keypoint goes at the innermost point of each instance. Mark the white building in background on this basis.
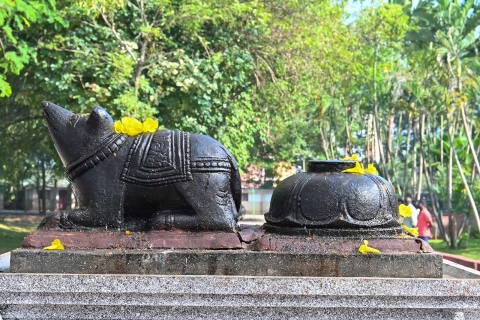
(256, 201)
(56, 198)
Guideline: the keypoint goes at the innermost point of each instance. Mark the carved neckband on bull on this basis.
(105, 149)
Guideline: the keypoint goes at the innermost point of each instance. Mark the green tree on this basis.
(447, 29)
(17, 16)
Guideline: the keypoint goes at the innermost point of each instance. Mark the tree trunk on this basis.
(449, 190)
(377, 122)
(469, 139)
(465, 183)
(333, 143)
(394, 157)
(348, 143)
(392, 163)
(140, 64)
(441, 140)
(44, 183)
(407, 151)
(420, 175)
(375, 144)
(414, 160)
(430, 191)
(397, 183)
(429, 129)
(450, 187)
(324, 141)
(473, 171)
(39, 194)
(368, 140)
(399, 135)
(429, 143)
(390, 138)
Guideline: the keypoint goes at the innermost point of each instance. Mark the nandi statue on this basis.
(152, 181)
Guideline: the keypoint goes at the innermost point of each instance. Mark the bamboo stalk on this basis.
(414, 161)
(406, 156)
(420, 176)
(464, 180)
(469, 139)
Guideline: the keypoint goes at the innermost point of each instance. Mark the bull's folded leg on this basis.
(210, 196)
(80, 219)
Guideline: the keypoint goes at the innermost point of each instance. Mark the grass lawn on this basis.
(472, 252)
(14, 227)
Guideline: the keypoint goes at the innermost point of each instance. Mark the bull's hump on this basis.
(202, 146)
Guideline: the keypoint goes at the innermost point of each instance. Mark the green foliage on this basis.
(185, 62)
(302, 76)
(16, 16)
(24, 137)
(190, 64)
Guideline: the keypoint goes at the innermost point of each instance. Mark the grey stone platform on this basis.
(53, 296)
(227, 262)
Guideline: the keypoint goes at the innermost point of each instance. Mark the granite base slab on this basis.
(55, 296)
(226, 262)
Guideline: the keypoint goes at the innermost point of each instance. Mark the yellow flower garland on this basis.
(133, 127)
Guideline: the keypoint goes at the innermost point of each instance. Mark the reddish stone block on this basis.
(135, 240)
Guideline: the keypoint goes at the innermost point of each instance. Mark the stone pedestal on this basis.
(249, 252)
(224, 262)
(53, 296)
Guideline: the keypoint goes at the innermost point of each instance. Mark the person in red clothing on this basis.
(424, 223)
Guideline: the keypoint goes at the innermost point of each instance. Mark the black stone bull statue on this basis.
(155, 181)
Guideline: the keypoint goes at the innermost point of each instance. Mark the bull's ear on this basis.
(99, 117)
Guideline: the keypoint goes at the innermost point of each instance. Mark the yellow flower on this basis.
(357, 169)
(404, 211)
(56, 245)
(127, 232)
(371, 169)
(131, 126)
(150, 125)
(118, 126)
(412, 231)
(364, 248)
(354, 157)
